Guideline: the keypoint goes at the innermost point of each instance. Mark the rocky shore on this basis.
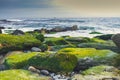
(37, 57)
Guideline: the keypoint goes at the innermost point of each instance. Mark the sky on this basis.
(59, 8)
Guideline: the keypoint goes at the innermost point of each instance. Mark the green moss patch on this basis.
(51, 62)
(52, 41)
(20, 75)
(102, 69)
(88, 52)
(95, 32)
(12, 42)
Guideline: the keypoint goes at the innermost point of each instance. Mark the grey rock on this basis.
(2, 59)
(116, 39)
(2, 67)
(35, 49)
(44, 72)
(85, 63)
(18, 32)
(110, 69)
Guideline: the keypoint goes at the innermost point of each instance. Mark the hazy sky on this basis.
(59, 8)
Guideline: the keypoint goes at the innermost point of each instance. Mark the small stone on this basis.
(35, 49)
(45, 72)
(33, 69)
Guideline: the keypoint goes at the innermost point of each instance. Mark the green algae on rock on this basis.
(19, 74)
(51, 62)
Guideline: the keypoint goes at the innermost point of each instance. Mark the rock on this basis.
(72, 73)
(13, 52)
(57, 29)
(2, 67)
(27, 51)
(2, 27)
(5, 21)
(110, 79)
(74, 27)
(110, 69)
(94, 77)
(116, 39)
(44, 72)
(18, 32)
(35, 49)
(104, 37)
(33, 69)
(84, 63)
(2, 59)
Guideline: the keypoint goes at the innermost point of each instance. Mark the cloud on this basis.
(90, 7)
(24, 4)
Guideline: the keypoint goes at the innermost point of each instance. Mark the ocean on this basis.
(85, 25)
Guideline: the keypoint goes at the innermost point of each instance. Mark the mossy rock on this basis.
(98, 55)
(52, 41)
(97, 40)
(14, 42)
(100, 46)
(57, 63)
(17, 61)
(51, 62)
(101, 70)
(95, 32)
(116, 61)
(21, 75)
(105, 37)
(77, 39)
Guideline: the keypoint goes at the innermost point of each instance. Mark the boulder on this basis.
(44, 72)
(35, 49)
(116, 39)
(33, 69)
(18, 32)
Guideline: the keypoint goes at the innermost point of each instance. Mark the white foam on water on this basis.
(78, 33)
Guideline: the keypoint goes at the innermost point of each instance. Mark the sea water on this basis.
(85, 25)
